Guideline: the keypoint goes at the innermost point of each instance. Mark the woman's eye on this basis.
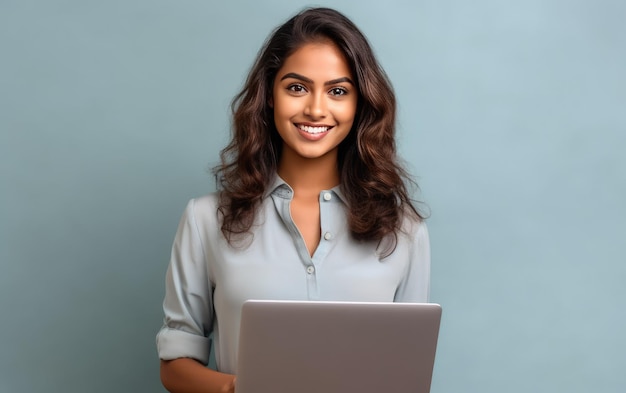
(338, 91)
(296, 88)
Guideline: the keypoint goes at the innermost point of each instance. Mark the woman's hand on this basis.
(230, 386)
(187, 375)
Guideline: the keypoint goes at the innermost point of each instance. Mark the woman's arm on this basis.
(183, 343)
(415, 287)
(186, 375)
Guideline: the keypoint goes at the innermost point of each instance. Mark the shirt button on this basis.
(310, 270)
(328, 236)
(327, 196)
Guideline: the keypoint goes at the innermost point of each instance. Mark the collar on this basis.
(280, 188)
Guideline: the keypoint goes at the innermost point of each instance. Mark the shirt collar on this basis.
(339, 192)
(280, 188)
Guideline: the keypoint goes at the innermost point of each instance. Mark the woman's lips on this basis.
(312, 132)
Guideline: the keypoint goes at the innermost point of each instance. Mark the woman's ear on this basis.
(270, 102)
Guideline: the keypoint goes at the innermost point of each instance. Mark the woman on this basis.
(312, 205)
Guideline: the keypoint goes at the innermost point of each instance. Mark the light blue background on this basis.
(512, 116)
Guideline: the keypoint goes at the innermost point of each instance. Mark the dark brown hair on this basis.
(373, 181)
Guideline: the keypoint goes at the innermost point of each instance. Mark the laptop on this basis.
(336, 347)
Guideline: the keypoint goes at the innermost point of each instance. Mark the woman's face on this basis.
(314, 100)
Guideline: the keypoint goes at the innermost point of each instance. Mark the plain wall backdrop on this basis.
(511, 117)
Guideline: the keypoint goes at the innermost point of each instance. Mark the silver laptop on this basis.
(336, 347)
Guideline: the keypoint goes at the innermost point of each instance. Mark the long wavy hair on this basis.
(371, 177)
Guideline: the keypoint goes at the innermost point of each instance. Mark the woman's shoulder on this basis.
(414, 226)
(203, 206)
(208, 200)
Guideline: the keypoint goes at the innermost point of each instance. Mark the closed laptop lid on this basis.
(337, 347)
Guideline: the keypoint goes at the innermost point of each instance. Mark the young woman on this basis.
(312, 203)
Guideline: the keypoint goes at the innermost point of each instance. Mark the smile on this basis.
(313, 129)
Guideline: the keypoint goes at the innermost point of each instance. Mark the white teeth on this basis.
(313, 130)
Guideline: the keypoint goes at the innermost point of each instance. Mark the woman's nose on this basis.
(316, 106)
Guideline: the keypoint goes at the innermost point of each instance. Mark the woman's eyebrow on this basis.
(303, 78)
(293, 75)
(339, 80)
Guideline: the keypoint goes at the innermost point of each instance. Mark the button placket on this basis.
(327, 196)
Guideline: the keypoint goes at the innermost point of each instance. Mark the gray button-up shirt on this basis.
(208, 280)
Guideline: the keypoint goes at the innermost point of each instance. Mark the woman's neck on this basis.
(308, 176)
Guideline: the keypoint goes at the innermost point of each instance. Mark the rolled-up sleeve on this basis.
(188, 303)
(415, 287)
